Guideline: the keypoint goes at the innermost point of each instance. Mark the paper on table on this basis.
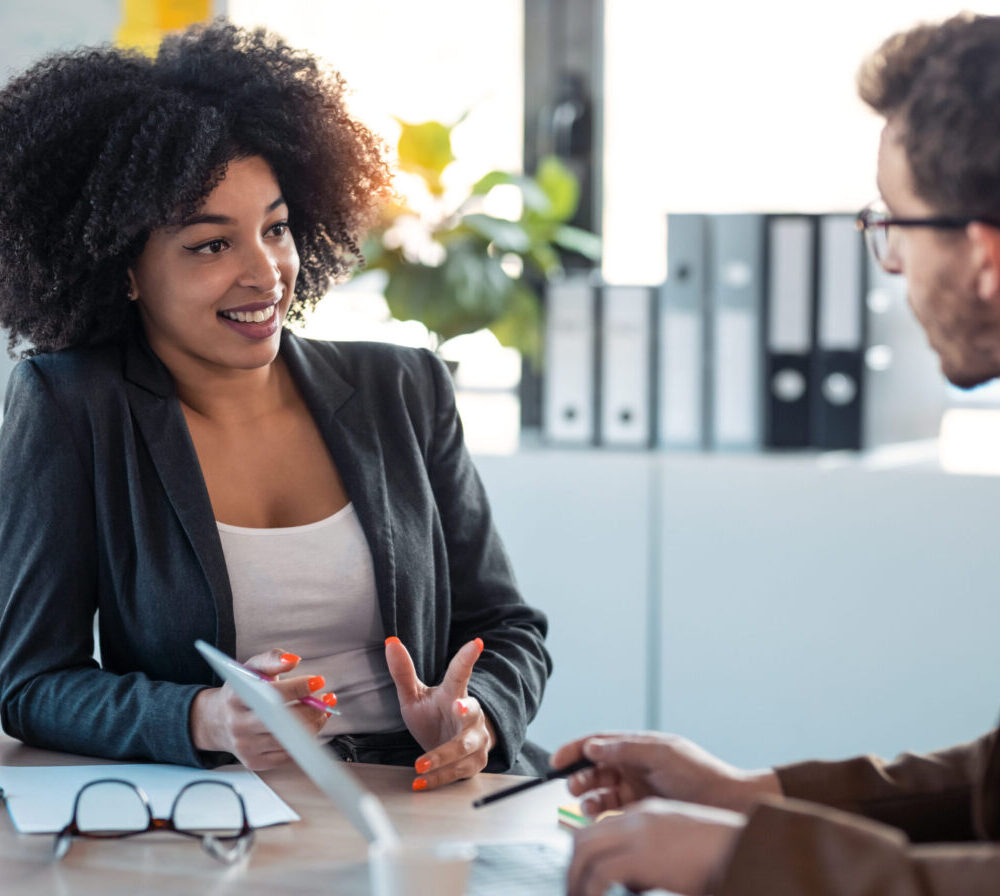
(40, 798)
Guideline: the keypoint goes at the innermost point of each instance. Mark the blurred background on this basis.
(770, 604)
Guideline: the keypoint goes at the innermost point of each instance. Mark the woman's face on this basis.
(214, 290)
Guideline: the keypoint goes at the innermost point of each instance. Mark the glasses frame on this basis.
(226, 848)
(868, 224)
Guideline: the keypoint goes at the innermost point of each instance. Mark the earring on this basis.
(132, 294)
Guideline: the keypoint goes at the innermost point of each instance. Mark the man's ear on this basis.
(985, 241)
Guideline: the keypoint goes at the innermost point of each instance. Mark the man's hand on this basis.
(631, 766)
(655, 843)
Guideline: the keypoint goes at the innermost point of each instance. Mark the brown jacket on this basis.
(917, 826)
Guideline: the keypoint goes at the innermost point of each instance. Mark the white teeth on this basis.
(247, 317)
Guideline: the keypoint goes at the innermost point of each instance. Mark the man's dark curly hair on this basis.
(941, 83)
(101, 145)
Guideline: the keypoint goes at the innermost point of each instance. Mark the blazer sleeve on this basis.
(509, 678)
(53, 692)
(789, 847)
(930, 798)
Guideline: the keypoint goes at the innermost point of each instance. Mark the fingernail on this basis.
(316, 682)
(289, 658)
(481, 644)
(422, 765)
(329, 699)
(463, 707)
(419, 783)
(391, 639)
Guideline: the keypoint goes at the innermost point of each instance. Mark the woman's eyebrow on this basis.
(225, 219)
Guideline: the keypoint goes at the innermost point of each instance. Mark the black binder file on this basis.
(790, 278)
(682, 347)
(736, 291)
(838, 372)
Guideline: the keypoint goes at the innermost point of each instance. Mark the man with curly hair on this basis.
(920, 824)
(176, 461)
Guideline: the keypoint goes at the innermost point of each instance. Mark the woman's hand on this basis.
(630, 767)
(655, 843)
(221, 721)
(449, 724)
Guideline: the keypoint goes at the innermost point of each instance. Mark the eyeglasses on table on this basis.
(112, 808)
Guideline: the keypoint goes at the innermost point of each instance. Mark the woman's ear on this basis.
(985, 239)
(133, 287)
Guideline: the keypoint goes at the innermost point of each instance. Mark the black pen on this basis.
(564, 772)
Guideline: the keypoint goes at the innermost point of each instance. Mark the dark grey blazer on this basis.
(103, 507)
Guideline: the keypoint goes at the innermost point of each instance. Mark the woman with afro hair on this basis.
(175, 461)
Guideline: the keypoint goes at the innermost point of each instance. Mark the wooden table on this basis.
(321, 853)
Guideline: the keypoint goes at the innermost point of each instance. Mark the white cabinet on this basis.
(770, 607)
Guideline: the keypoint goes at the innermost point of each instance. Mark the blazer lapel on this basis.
(158, 414)
(346, 426)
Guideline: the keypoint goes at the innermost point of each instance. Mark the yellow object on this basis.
(144, 22)
(571, 816)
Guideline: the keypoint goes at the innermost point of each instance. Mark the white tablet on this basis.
(362, 808)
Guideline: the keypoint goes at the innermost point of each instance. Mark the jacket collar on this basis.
(344, 421)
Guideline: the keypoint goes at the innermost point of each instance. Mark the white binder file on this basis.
(840, 335)
(626, 365)
(681, 398)
(736, 244)
(789, 312)
(568, 396)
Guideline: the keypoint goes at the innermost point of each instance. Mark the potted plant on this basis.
(458, 266)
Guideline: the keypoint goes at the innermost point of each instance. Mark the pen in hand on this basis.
(314, 702)
(563, 772)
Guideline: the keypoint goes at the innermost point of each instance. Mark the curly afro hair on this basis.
(102, 146)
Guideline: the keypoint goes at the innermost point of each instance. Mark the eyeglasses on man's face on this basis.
(211, 811)
(881, 230)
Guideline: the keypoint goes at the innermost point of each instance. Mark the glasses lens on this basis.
(878, 241)
(209, 807)
(110, 808)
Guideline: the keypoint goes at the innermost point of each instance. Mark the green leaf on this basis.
(508, 236)
(578, 240)
(520, 326)
(561, 187)
(546, 259)
(488, 181)
(425, 150)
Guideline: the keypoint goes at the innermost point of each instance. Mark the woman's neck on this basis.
(232, 396)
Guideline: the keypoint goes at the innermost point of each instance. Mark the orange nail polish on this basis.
(481, 644)
(422, 765)
(419, 783)
(463, 707)
(391, 638)
(316, 682)
(329, 699)
(289, 658)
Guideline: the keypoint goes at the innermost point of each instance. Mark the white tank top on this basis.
(310, 590)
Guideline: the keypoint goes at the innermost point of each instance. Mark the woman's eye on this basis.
(212, 247)
(279, 229)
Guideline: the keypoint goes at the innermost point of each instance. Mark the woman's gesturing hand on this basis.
(221, 721)
(449, 724)
(631, 766)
